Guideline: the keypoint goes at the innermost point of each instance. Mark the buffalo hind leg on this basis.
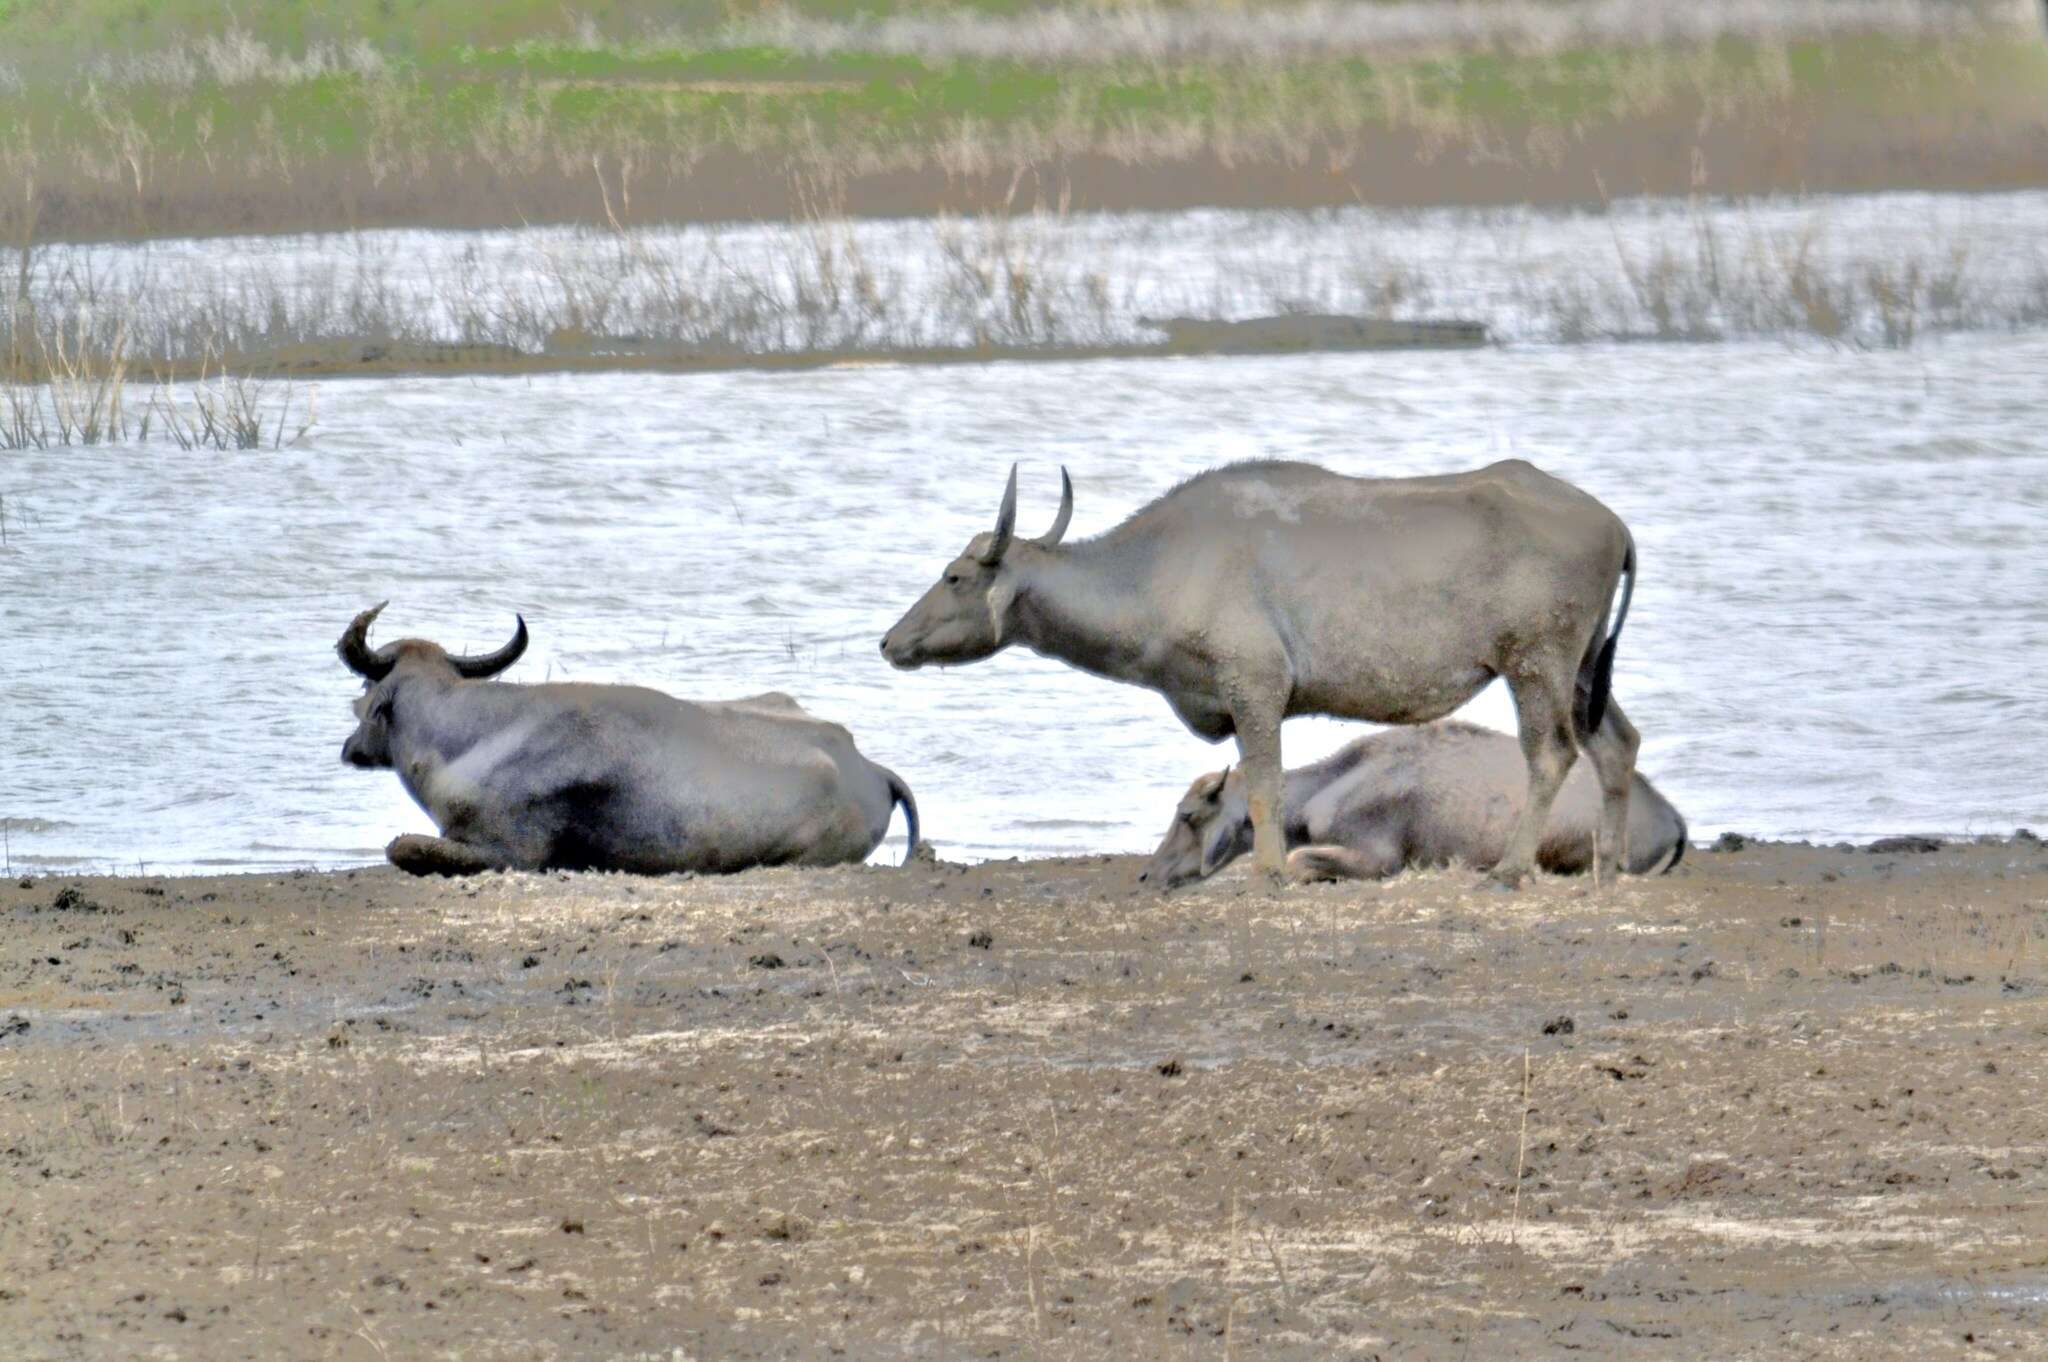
(1378, 861)
(1612, 750)
(1544, 713)
(419, 855)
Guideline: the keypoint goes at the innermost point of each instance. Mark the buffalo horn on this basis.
(354, 647)
(1006, 524)
(490, 664)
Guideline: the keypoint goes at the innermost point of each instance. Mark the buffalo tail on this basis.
(1677, 852)
(900, 792)
(1596, 676)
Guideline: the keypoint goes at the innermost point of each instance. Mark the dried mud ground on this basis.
(1788, 1102)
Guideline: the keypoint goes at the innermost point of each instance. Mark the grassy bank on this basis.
(127, 121)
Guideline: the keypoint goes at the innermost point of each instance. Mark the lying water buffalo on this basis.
(1262, 590)
(587, 777)
(1432, 795)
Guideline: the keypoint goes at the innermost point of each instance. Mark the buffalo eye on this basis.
(952, 579)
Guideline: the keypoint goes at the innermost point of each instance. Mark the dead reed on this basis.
(87, 319)
(72, 382)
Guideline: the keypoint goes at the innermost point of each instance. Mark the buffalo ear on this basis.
(1216, 846)
(378, 701)
(1213, 789)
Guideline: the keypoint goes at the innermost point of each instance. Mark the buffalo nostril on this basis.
(885, 645)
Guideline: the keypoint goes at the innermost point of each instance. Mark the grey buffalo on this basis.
(591, 777)
(1262, 590)
(1436, 794)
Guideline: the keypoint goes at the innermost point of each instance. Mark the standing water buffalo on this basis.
(1431, 795)
(1262, 590)
(586, 777)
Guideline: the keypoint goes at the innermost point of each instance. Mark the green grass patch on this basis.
(860, 97)
(503, 97)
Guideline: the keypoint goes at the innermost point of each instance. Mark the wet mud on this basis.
(1784, 1102)
(584, 353)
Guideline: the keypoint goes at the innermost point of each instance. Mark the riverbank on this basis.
(1779, 1101)
(127, 123)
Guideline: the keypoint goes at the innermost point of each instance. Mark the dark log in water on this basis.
(1310, 331)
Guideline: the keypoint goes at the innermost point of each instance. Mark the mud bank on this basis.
(584, 354)
(1785, 1101)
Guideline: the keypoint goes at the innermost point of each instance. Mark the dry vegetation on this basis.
(69, 382)
(974, 108)
(90, 321)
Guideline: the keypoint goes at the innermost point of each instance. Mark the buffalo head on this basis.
(965, 616)
(386, 670)
(1211, 828)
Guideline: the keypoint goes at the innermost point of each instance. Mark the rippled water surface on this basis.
(1840, 629)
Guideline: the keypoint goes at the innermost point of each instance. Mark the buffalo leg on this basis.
(1376, 861)
(1258, 746)
(417, 855)
(1612, 750)
(1544, 713)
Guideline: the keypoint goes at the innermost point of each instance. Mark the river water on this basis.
(1840, 630)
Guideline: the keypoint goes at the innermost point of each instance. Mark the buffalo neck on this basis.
(1087, 604)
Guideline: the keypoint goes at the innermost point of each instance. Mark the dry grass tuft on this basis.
(70, 381)
(85, 320)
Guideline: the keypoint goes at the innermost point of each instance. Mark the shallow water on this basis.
(1840, 629)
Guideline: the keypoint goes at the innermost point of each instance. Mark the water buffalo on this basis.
(1430, 795)
(587, 777)
(1262, 590)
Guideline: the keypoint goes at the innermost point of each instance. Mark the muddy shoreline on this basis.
(1785, 1101)
(362, 358)
(1691, 149)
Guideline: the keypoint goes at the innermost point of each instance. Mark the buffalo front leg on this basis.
(1544, 713)
(1612, 750)
(1376, 860)
(1258, 746)
(419, 855)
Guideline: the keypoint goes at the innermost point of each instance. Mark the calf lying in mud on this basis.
(1430, 795)
(589, 777)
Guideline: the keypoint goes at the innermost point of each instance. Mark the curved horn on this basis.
(1052, 537)
(490, 664)
(1006, 524)
(354, 647)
